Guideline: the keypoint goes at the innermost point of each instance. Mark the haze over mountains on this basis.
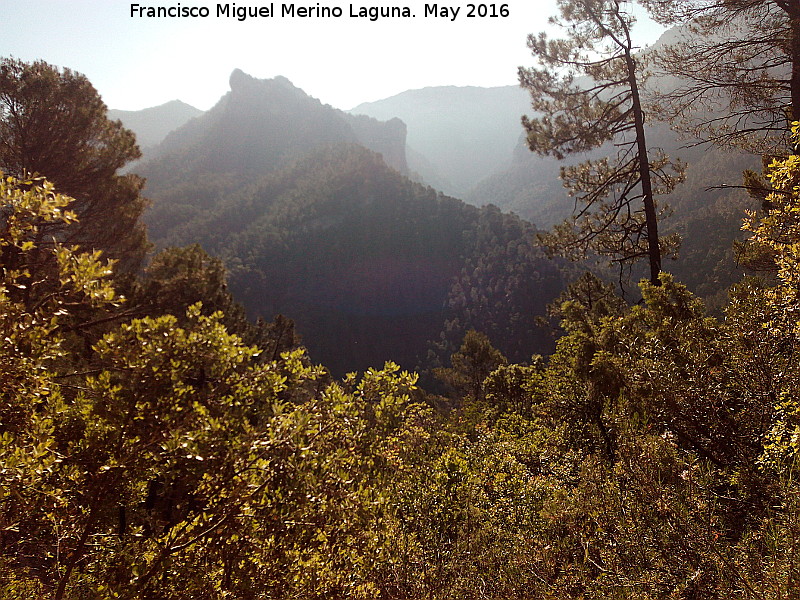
(332, 380)
(152, 125)
(315, 212)
(457, 135)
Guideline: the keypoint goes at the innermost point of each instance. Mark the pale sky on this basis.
(140, 62)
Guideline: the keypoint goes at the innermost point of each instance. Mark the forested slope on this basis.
(372, 266)
(705, 209)
(313, 225)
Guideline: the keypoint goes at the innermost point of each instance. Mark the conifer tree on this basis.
(587, 95)
(54, 124)
(737, 65)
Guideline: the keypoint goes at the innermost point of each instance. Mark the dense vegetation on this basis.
(154, 443)
(653, 453)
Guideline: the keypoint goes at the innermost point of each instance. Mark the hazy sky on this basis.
(140, 62)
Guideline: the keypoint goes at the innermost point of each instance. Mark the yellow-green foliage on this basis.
(779, 228)
(779, 231)
(652, 456)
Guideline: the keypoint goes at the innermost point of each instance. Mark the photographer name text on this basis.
(320, 11)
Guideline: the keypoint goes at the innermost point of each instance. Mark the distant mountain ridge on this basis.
(464, 133)
(151, 125)
(261, 125)
(465, 141)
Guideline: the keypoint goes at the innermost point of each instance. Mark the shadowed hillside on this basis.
(314, 224)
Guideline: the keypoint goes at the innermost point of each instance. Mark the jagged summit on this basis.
(261, 125)
(314, 224)
(239, 79)
(241, 82)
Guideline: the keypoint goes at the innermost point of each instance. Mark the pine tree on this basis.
(587, 92)
(737, 64)
(54, 124)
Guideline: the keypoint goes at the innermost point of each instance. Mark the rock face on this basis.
(463, 133)
(387, 138)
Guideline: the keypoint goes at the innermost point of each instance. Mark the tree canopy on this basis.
(736, 70)
(53, 124)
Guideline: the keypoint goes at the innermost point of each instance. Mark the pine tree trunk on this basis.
(651, 220)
